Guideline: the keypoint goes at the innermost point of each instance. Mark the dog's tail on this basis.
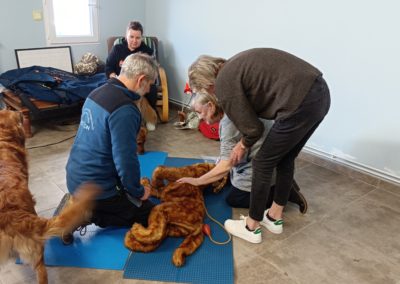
(75, 213)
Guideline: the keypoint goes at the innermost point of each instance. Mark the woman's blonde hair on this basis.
(203, 72)
(204, 98)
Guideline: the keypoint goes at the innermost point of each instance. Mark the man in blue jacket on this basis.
(104, 150)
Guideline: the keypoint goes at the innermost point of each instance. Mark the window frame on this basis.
(51, 37)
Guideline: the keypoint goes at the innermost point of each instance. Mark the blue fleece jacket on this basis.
(104, 150)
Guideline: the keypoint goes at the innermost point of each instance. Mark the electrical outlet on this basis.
(37, 15)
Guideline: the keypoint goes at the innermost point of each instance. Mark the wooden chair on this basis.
(13, 102)
(162, 85)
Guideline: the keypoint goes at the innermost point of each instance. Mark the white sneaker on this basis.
(150, 126)
(238, 229)
(275, 227)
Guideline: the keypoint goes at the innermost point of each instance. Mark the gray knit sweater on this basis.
(262, 82)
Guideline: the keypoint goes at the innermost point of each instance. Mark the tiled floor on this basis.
(351, 233)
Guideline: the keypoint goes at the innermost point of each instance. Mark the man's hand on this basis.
(147, 192)
(237, 153)
(190, 180)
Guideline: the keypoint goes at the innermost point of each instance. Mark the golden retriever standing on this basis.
(180, 214)
(21, 230)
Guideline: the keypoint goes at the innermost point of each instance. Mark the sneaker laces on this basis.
(82, 230)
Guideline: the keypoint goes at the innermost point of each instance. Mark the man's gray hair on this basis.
(139, 64)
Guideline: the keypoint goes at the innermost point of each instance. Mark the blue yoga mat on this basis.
(99, 248)
(210, 263)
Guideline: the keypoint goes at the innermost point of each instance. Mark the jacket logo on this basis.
(87, 120)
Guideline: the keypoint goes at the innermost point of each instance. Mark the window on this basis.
(71, 21)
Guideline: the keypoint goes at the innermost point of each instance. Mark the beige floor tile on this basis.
(354, 246)
(259, 270)
(11, 273)
(46, 193)
(373, 222)
(327, 191)
(81, 276)
(391, 187)
(319, 256)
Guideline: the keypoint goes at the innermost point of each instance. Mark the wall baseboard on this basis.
(349, 168)
(178, 104)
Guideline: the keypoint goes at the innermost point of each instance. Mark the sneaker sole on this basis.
(243, 237)
(274, 231)
(246, 239)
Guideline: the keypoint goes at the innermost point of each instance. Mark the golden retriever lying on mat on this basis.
(21, 230)
(180, 214)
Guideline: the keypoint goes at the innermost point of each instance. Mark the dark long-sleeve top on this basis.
(104, 150)
(118, 54)
(262, 82)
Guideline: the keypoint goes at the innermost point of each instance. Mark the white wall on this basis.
(18, 30)
(356, 45)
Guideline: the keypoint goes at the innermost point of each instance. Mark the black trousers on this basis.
(241, 199)
(120, 212)
(281, 147)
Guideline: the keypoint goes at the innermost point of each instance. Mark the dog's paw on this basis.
(145, 181)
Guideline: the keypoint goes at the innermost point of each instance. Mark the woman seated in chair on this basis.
(132, 43)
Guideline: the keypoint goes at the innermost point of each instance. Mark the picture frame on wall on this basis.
(59, 57)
